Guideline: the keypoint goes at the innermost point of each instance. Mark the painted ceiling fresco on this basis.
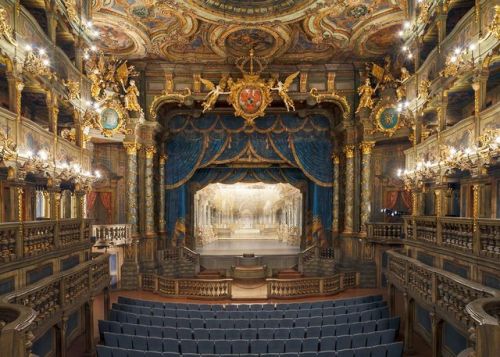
(210, 31)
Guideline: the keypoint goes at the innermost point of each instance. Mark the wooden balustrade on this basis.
(456, 234)
(290, 288)
(20, 240)
(447, 293)
(191, 288)
(486, 316)
(60, 292)
(114, 234)
(382, 231)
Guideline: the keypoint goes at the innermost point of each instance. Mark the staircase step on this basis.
(289, 274)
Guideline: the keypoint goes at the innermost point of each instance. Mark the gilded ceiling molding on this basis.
(266, 41)
(120, 37)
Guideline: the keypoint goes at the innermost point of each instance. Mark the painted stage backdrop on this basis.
(220, 148)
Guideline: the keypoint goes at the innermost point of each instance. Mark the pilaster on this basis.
(131, 148)
(336, 200)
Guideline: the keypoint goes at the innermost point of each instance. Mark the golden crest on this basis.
(250, 96)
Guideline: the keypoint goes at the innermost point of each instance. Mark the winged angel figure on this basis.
(282, 88)
(215, 91)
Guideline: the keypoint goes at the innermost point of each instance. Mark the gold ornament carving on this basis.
(423, 89)
(366, 92)
(349, 151)
(37, 64)
(251, 95)
(163, 159)
(168, 96)
(367, 147)
(495, 24)
(73, 88)
(132, 147)
(336, 159)
(332, 97)
(5, 30)
(8, 149)
(150, 151)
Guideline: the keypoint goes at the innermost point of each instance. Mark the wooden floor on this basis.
(422, 349)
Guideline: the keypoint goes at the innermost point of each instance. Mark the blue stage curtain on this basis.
(314, 157)
(185, 153)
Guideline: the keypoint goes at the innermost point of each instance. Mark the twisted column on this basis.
(132, 148)
(366, 192)
(336, 203)
(148, 190)
(349, 188)
(161, 210)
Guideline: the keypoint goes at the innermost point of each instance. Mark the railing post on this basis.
(176, 287)
(439, 231)
(321, 285)
(341, 281)
(57, 230)
(476, 239)
(408, 319)
(268, 282)
(156, 283)
(436, 334)
(19, 242)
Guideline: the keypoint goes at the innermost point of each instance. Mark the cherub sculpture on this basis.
(282, 88)
(215, 91)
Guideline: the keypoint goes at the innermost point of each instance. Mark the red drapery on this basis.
(391, 198)
(407, 199)
(106, 201)
(91, 197)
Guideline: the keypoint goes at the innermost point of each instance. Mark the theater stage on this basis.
(233, 247)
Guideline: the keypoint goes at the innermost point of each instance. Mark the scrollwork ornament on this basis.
(150, 151)
(495, 24)
(5, 30)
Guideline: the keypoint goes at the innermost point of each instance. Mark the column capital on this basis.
(163, 159)
(150, 151)
(132, 147)
(336, 159)
(366, 147)
(349, 151)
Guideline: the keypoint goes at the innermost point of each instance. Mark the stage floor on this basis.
(240, 246)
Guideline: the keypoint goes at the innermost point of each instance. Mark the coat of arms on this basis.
(250, 95)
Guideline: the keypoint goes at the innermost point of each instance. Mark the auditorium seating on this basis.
(353, 327)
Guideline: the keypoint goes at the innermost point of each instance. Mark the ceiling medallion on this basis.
(250, 95)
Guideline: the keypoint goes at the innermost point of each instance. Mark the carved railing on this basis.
(290, 288)
(114, 234)
(192, 288)
(486, 316)
(181, 253)
(456, 234)
(15, 337)
(447, 293)
(381, 231)
(50, 297)
(21, 240)
(314, 252)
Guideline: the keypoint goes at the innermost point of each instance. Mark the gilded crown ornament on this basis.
(250, 95)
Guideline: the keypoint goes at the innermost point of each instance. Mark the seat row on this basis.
(252, 307)
(263, 314)
(204, 347)
(249, 333)
(387, 350)
(368, 315)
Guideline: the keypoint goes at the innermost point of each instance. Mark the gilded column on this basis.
(148, 190)
(336, 176)
(161, 210)
(132, 148)
(366, 192)
(349, 188)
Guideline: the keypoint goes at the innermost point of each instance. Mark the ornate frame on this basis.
(122, 116)
(377, 117)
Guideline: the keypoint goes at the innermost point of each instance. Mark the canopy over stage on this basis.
(285, 158)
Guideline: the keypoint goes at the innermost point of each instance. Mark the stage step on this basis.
(288, 274)
(209, 274)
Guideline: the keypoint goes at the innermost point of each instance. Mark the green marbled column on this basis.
(366, 152)
(132, 186)
(349, 188)
(336, 203)
(148, 191)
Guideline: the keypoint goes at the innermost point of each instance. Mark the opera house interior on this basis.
(260, 178)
